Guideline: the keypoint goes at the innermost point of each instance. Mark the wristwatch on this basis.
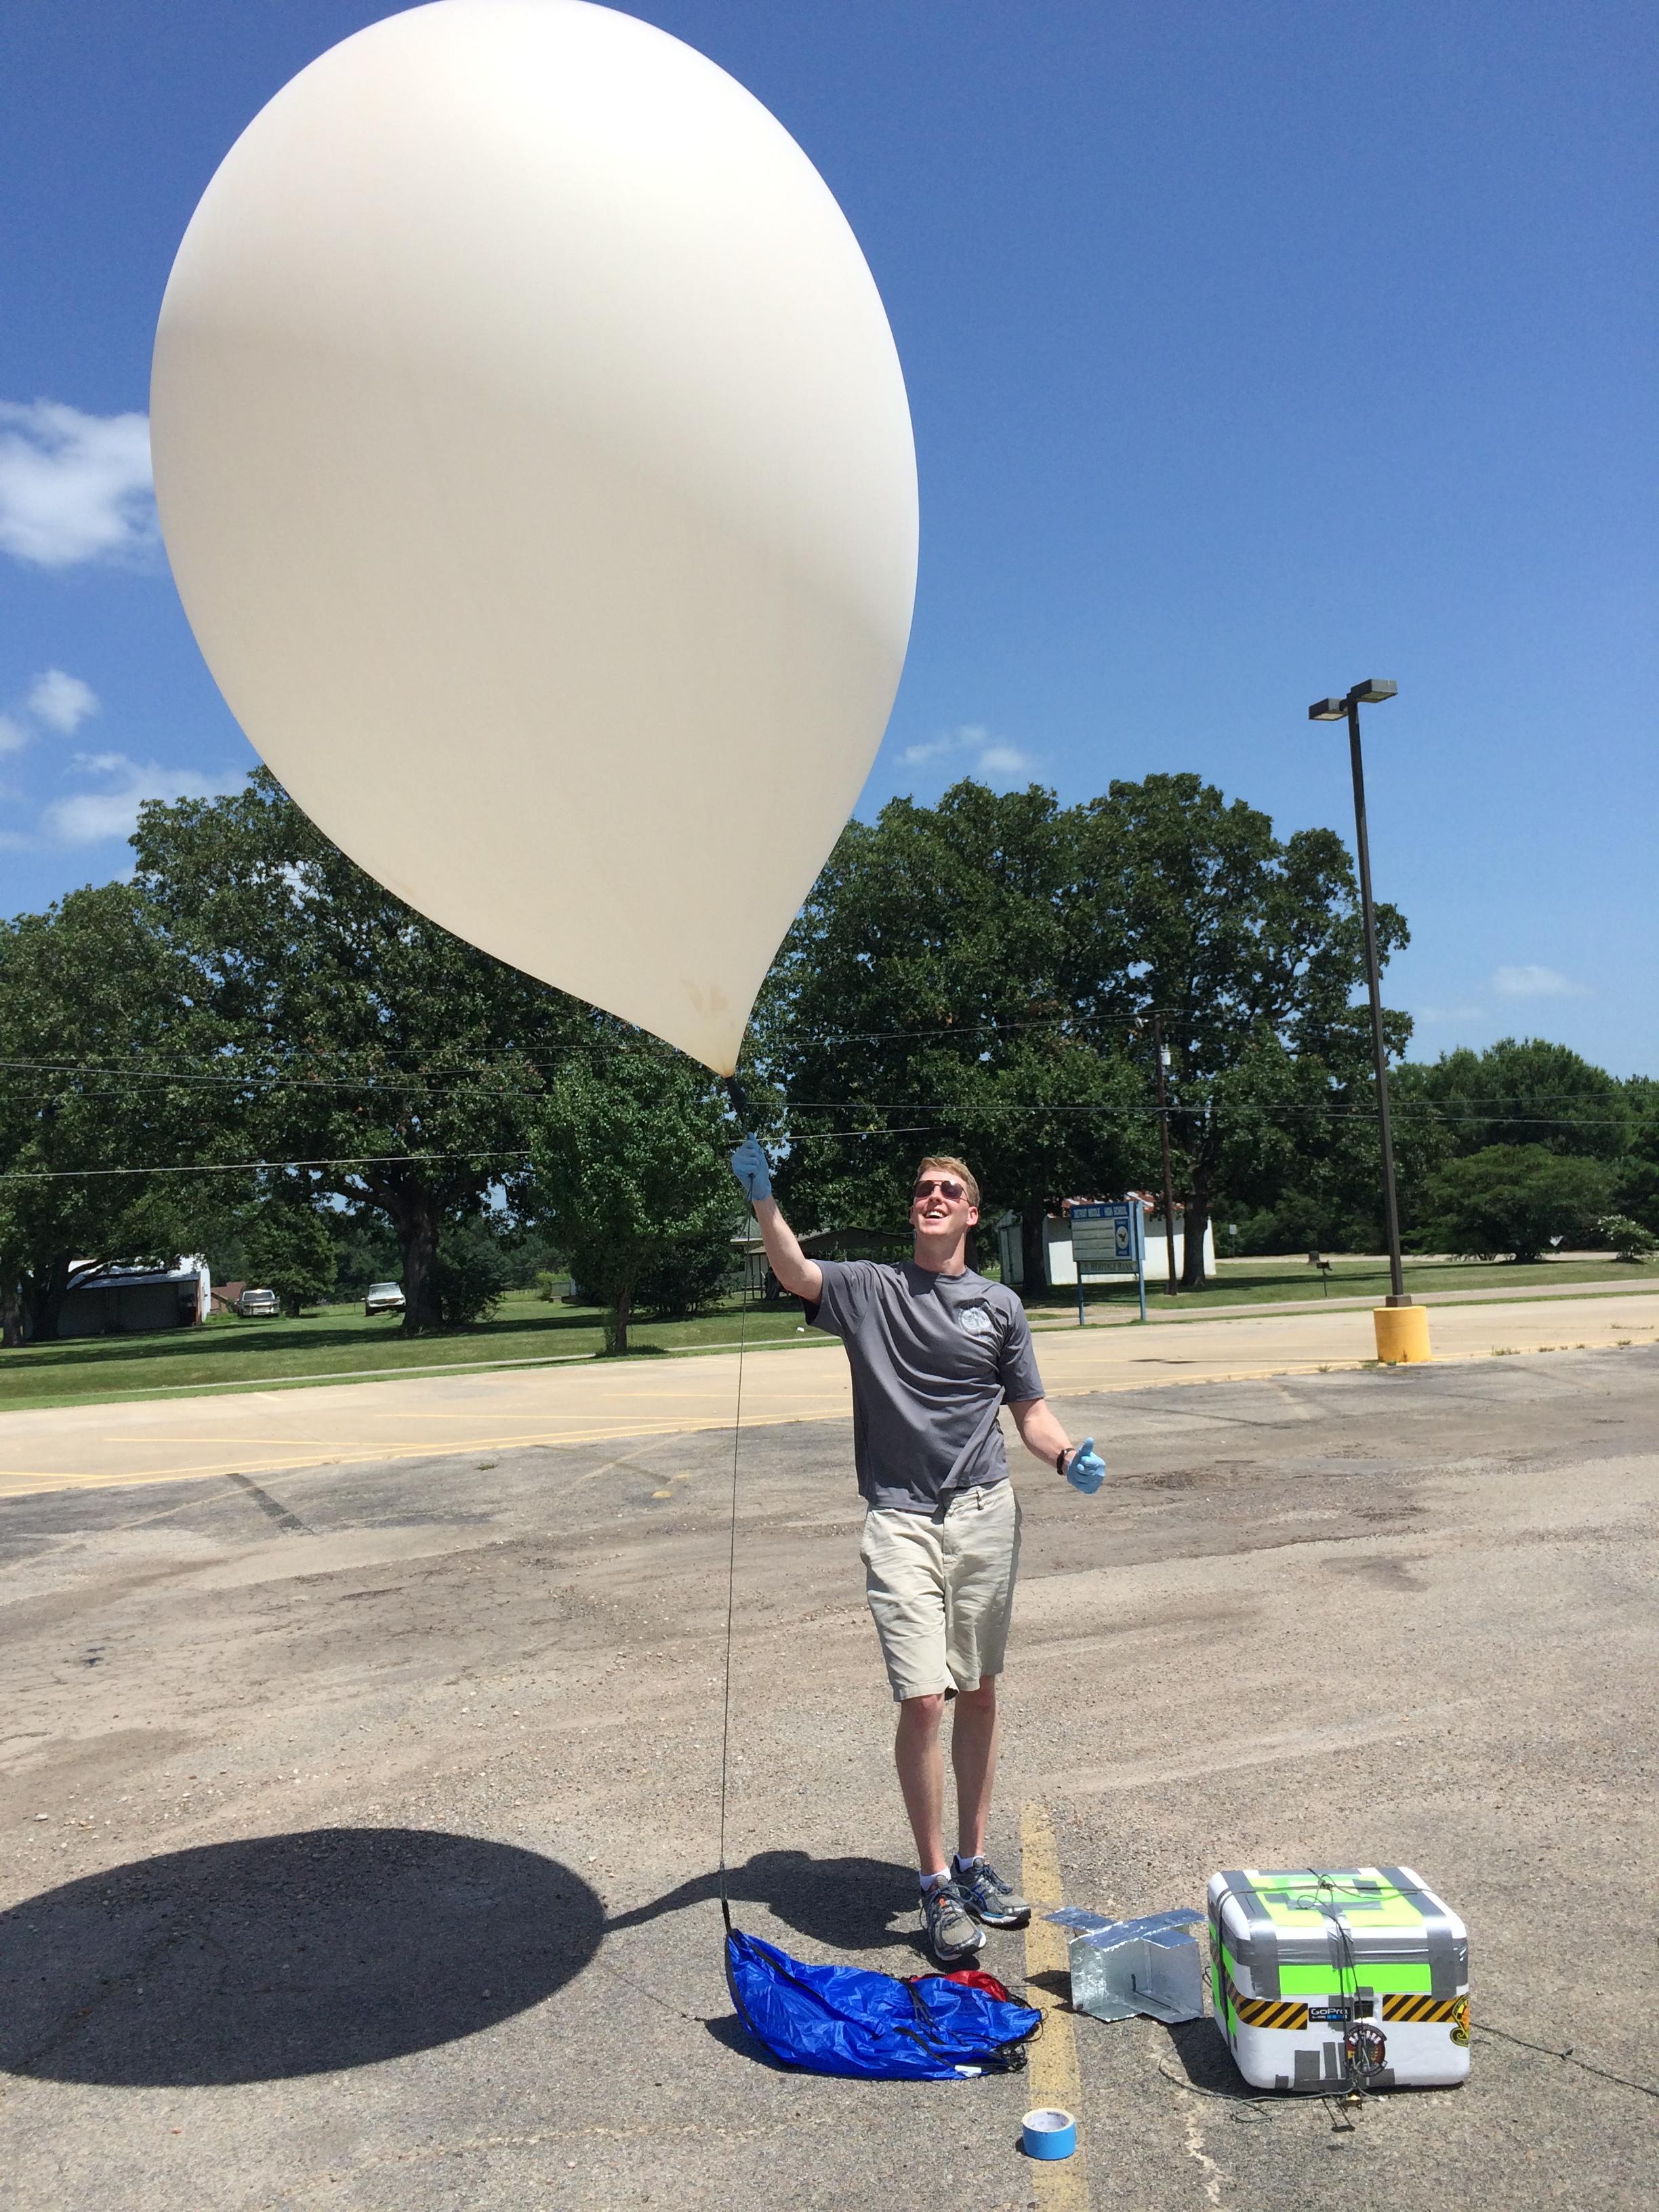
(1061, 1457)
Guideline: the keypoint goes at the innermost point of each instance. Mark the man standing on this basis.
(936, 1351)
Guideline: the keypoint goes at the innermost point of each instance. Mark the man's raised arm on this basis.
(801, 1277)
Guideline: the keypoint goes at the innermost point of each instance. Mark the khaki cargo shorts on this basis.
(941, 1587)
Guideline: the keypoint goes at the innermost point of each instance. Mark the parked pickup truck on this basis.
(383, 1297)
(260, 1305)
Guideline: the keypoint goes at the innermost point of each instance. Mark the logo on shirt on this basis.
(977, 1321)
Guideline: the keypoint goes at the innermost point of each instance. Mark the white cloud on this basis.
(1005, 760)
(1535, 982)
(13, 736)
(89, 817)
(61, 703)
(991, 759)
(73, 486)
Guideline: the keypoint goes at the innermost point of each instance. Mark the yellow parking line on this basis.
(1058, 2184)
(24, 1482)
(20, 1482)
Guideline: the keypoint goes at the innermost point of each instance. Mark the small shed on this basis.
(819, 1244)
(127, 1299)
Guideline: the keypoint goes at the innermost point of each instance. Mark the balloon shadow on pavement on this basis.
(285, 1955)
(845, 1904)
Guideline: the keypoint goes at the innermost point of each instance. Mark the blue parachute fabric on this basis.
(873, 2027)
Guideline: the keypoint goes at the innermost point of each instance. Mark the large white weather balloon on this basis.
(533, 459)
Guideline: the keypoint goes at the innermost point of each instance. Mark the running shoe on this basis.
(952, 1935)
(988, 1898)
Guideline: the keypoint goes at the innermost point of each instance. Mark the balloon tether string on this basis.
(740, 1105)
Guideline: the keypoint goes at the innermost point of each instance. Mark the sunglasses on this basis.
(946, 1188)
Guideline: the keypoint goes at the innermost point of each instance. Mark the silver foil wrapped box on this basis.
(1121, 1967)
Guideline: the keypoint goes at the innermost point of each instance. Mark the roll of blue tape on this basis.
(1051, 2134)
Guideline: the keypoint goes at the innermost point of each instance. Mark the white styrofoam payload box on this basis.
(1326, 1978)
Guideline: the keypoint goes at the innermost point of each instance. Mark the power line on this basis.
(462, 1082)
(996, 1026)
(1429, 1110)
(245, 1167)
(968, 1108)
(366, 1159)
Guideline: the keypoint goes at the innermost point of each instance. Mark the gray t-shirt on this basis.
(934, 1359)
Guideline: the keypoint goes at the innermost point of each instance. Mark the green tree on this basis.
(365, 1249)
(1249, 948)
(98, 1031)
(288, 1247)
(982, 976)
(1514, 1198)
(1519, 1091)
(691, 1276)
(942, 990)
(1301, 1162)
(405, 1065)
(471, 1272)
(1637, 1186)
(1629, 1239)
(631, 1161)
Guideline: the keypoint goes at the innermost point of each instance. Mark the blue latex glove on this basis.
(749, 1165)
(1086, 1470)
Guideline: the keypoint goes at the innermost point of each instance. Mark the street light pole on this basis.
(1397, 1296)
(1332, 710)
(1162, 1051)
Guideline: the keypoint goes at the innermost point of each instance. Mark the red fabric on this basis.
(971, 1979)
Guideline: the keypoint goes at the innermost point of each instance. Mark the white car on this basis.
(383, 1297)
(260, 1305)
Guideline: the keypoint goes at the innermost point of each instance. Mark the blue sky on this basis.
(1252, 349)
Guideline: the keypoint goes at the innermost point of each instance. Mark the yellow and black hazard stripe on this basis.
(1270, 2012)
(1263, 2012)
(1416, 2008)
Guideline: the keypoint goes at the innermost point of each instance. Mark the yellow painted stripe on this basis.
(23, 1483)
(1057, 2184)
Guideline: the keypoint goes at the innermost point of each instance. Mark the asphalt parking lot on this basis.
(360, 1821)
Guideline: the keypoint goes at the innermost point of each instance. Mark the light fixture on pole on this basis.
(1400, 1335)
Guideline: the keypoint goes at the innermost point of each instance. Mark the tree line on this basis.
(253, 1040)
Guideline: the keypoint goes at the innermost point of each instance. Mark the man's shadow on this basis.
(285, 1955)
(844, 1904)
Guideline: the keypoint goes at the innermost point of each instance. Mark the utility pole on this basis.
(1162, 1054)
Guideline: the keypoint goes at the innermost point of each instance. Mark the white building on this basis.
(1061, 1266)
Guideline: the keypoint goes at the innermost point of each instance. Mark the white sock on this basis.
(931, 1881)
(966, 1866)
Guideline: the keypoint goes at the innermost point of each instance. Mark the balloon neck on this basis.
(740, 1097)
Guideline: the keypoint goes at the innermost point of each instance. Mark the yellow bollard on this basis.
(1402, 1333)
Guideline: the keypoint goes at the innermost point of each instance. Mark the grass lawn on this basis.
(1269, 1282)
(338, 1342)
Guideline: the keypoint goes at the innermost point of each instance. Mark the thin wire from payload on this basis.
(731, 1583)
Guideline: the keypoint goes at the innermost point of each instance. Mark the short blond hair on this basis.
(960, 1169)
